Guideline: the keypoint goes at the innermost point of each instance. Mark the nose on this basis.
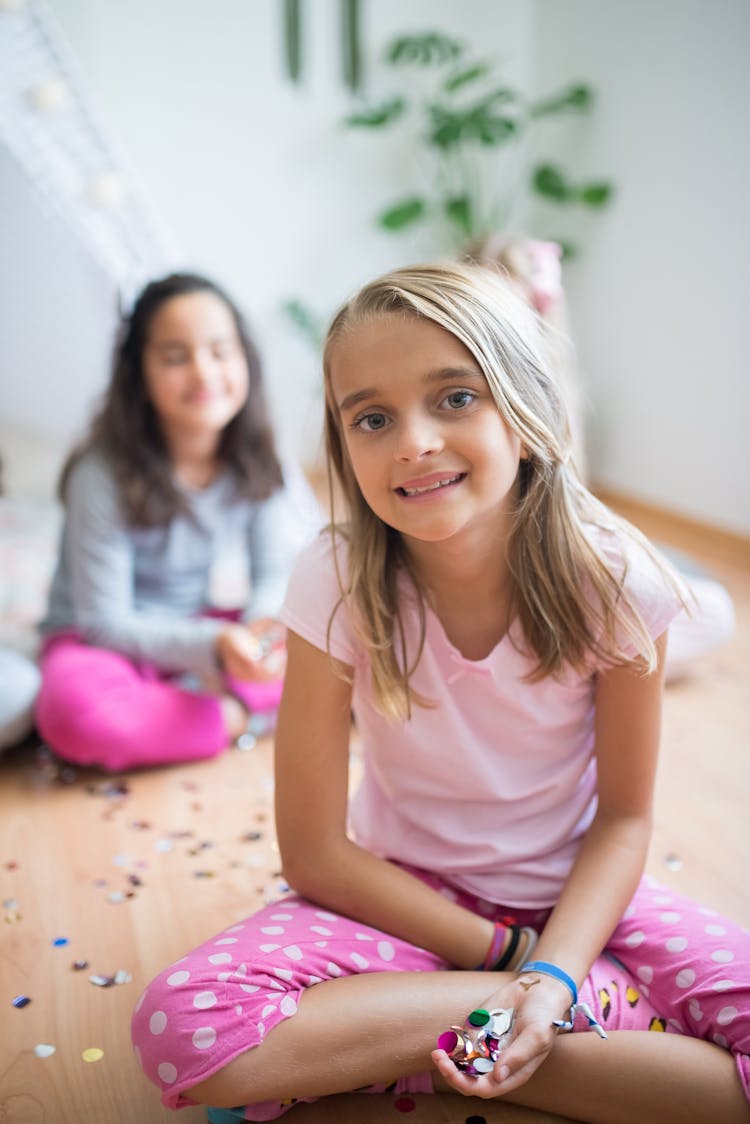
(203, 365)
(417, 436)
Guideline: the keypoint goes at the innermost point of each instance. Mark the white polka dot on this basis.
(293, 952)
(157, 1023)
(677, 1025)
(276, 985)
(722, 956)
(386, 951)
(226, 940)
(175, 980)
(281, 917)
(250, 988)
(720, 1040)
(726, 1015)
(670, 917)
(724, 985)
(716, 930)
(662, 899)
(220, 958)
(645, 989)
(139, 1004)
(312, 980)
(288, 1005)
(321, 944)
(238, 1010)
(707, 912)
(222, 977)
(241, 971)
(645, 973)
(359, 960)
(333, 969)
(676, 944)
(267, 1010)
(685, 978)
(262, 1031)
(204, 999)
(363, 937)
(322, 930)
(269, 947)
(325, 916)
(204, 1037)
(167, 1072)
(629, 911)
(634, 939)
(236, 929)
(283, 973)
(272, 930)
(289, 903)
(695, 1010)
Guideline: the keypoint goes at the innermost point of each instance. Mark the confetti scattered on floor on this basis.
(44, 1050)
(404, 1104)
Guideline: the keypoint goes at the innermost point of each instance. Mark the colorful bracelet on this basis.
(495, 951)
(546, 969)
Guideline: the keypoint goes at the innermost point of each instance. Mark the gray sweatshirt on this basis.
(140, 591)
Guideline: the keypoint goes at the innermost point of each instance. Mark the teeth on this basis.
(431, 487)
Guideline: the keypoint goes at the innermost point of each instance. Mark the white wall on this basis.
(660, 294)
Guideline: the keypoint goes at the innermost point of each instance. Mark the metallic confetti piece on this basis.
(60, 942)
(164, 845)
(673, 862)
(116, 897)
(122, 977)
(79, 965)
(92, 1054)
(44, 1050)
(21, 1001)
(102, 981)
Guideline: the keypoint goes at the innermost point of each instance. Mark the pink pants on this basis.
(97, 707)
(682, 969)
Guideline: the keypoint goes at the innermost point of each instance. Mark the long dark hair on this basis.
(125, 430)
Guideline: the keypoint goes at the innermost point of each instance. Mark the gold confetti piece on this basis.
(93, 1054)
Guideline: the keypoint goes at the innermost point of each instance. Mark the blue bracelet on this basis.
(546, 969)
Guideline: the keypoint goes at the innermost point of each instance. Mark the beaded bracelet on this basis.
(546, 969)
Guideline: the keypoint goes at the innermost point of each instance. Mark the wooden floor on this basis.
(133, 872)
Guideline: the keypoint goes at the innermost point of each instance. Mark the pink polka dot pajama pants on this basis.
(671, 966)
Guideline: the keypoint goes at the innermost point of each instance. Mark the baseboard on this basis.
(678, 530)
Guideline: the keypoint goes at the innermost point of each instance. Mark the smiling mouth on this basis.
(432, 487)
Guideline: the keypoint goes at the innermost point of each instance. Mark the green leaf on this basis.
(403, 214)
(464, 77)
(595, 194)
(573, 97)
(496, 130)
(377, 115)
(428, 49)
(549, 181)
(293, 39)
(305, 321)
(459, 211)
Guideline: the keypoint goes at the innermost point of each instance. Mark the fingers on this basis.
(507, 1075)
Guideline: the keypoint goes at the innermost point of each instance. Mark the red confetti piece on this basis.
(404, 1104)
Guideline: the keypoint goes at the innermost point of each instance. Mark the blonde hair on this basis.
(569, 604)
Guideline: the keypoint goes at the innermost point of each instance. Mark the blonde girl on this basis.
(499, 636)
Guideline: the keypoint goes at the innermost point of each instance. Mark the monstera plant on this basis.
(463, 121)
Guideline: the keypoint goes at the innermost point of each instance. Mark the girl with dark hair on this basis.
(178, 468)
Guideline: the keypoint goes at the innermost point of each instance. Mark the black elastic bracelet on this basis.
(510, 952)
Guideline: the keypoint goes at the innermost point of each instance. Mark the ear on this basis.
(524, 454)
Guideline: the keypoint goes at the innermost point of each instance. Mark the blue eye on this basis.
(458, 399)
(370, 423)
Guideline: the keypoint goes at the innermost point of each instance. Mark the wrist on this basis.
(531, 970)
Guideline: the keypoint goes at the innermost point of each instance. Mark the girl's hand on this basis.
(536, 1005)
(254, 652)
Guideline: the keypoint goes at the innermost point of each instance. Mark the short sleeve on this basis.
(313, 599)
(645, 581)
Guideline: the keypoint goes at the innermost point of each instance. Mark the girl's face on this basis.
(429, 449)
(194, 367)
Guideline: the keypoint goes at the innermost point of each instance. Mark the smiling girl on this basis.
(499, 636)
(179, 467)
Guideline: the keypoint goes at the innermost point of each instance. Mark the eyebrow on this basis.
(442, 374)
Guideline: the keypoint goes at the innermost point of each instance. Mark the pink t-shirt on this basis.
(495, 786)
